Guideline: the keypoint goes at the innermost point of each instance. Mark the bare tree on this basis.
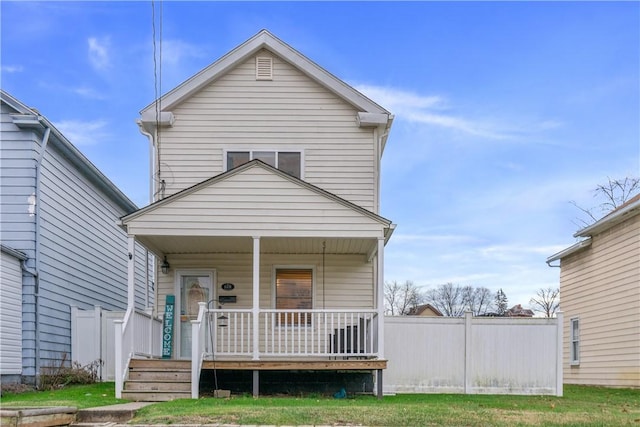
(547, 301)
(447, 298)
(478, 300)
(400, 298)
(609, 196)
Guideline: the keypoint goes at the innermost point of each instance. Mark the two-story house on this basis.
(266, 222)
(61, 246)
(600, 288)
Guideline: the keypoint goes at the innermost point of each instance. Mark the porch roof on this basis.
(223, 213)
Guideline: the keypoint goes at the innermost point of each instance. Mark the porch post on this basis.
(256, 297)
(380, 299)
(131, 272)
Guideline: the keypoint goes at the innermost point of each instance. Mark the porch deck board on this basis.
(301, 365)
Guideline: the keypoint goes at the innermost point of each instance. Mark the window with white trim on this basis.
(294, 291)
(287, 161)
(575, 341)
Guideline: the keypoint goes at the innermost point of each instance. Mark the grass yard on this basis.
(581, 406)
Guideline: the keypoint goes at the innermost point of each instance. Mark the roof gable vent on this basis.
(264, 68)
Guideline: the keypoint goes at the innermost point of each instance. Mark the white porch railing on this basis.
(138, 334)
(292, 333)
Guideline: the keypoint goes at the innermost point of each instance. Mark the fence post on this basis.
(559, 349)
(74, 333)
(468, 317)
(118, 357)
(149, 311)
(97, 337)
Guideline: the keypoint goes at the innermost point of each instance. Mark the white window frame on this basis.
(574, 341)
(253, 150)
(313, 287)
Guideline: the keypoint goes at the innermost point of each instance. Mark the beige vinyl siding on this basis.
(348, 280)
(256, 202)
(289, 113)
(601, 286)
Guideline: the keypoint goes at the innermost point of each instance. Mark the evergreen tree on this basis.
(501, 302)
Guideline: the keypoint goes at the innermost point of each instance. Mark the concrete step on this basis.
(134, 385)
(109, 414)
(154, 396)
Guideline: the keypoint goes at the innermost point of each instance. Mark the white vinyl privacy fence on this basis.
(473, 355)
(425, 354)
(93, 337)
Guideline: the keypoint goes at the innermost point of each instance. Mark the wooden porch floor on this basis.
(296, 365)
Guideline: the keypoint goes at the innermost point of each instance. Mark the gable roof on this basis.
(240, 170)
(419, 309)
(265, 40)
(627, 210)
(623, 212)
(29, 118)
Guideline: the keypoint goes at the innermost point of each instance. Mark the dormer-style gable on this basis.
(266, 101)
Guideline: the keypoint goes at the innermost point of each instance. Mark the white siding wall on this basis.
(255, 202)
(291, 112)
(10, 315)
(348, 281)
(601, 286)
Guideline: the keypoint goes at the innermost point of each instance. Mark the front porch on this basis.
(256, 274)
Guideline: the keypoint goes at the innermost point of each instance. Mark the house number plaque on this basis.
(228, 286)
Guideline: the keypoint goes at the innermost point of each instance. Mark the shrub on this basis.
(56, 376)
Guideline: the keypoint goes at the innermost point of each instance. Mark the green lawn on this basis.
(580, 406)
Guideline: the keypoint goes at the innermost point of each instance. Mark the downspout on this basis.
(378, 153)
(36, 294)
(152, 168)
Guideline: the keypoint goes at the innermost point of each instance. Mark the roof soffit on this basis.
(266, 40)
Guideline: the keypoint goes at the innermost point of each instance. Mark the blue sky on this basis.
(505, 111)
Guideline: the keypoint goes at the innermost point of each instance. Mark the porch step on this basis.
(155, 380)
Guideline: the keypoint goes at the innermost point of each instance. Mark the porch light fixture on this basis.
(223, 321)
(165, 266)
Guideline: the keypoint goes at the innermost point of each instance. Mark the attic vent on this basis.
(264, 68)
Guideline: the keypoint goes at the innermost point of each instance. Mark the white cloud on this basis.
(12, 68)
(174, 52)
(82, 132)
(87, 92)
(99, 52)
(437, 111)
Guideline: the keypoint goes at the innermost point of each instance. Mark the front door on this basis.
(193, 287)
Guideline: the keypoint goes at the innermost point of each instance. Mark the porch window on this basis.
(575, 341)
(287, 161)
(294, 292)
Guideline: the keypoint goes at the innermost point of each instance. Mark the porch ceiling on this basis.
(273, 245)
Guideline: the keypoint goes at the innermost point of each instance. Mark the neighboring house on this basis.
(61, 246)
(424, 310)
(267, 180)
(518, 311)
(600, 288)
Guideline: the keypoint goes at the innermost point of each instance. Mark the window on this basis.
(286, 161)
(575, 341)
(294, 289)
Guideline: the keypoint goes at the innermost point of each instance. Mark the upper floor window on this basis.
(286, 161)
